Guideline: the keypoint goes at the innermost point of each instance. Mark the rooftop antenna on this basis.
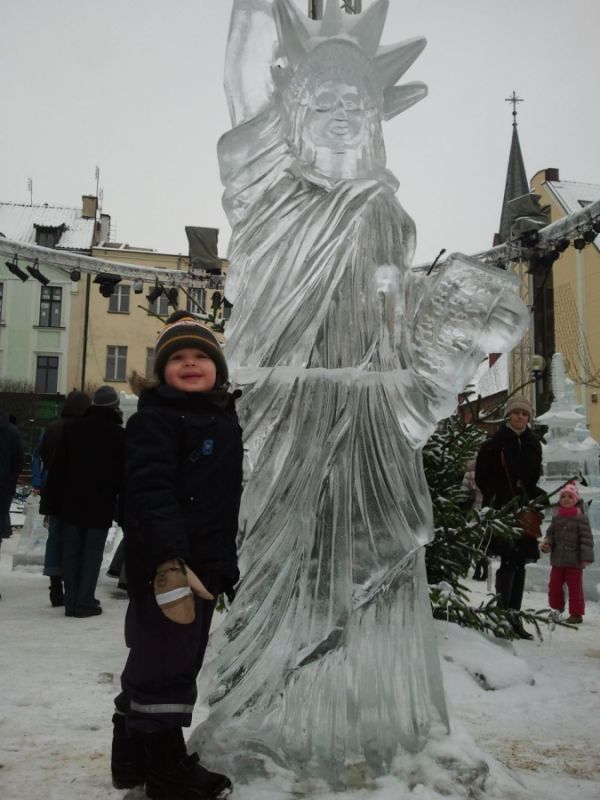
(97, 185)
(30, 189)
(100, 199)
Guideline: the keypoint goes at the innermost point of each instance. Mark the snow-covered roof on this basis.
(573, 196)
(488, 380)
(18, 221)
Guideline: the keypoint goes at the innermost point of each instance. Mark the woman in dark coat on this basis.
(509, 464)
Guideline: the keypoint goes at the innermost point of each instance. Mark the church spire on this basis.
(516, 178)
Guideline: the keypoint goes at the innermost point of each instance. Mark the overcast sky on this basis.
(135, 87)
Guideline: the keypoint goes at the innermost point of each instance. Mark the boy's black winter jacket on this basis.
(183, 484)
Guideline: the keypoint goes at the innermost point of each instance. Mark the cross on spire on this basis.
(514, 100)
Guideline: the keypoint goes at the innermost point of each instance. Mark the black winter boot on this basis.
(56, 591)
(128, 756)
(173, 775)
(518, 628)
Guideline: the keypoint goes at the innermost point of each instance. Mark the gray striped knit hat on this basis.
(183, 330)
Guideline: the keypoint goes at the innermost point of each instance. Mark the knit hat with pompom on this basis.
(571, 489)
(184, 330)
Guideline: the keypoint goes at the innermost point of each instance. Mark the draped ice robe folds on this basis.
(326, 659)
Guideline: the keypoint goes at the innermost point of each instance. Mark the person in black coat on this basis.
(183, 483)
(75, 405)
(83, 483)
(509, 465)
(12, 458)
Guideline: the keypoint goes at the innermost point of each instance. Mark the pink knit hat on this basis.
(570, 488)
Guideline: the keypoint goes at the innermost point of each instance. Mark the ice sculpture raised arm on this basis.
(251, 52)
(326, 663)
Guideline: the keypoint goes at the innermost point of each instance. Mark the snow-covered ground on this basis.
(540, 719)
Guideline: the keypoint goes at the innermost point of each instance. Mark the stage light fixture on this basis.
(13, 266)
(562, 245)
(108, 282)
(34, 271)
(579, 243)
(596, 226)
(75, 275)
(589, 235)
(138, 286)
(172, 297)
(530, 239)
(155, 293)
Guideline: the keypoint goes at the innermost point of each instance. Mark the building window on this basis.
(149, 361)
(50, 306)
(197, 300)
(116, 362)
(118, 302)
(48, 235)
(46, 374)
(161, 306)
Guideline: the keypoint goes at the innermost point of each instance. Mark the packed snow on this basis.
(530, 709)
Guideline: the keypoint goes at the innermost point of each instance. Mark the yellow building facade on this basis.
(113, 336)
(576, 280)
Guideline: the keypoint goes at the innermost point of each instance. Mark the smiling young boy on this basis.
(183, 482)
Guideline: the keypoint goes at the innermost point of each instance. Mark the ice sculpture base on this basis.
(451, 767)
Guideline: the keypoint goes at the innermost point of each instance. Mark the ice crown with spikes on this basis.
(300, 39)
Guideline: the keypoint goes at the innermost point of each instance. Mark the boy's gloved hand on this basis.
(545, 546)
(174, 589)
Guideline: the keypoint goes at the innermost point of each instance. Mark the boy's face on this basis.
(190, 370)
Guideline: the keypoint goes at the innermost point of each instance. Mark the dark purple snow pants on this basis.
(159, 679)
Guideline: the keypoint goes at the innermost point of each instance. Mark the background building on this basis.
(41, 305)
(576, 290)
(121, 329)
(77, 310)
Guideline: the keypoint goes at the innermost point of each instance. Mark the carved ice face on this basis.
(336, 117)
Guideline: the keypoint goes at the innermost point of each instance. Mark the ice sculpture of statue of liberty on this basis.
(326, 664)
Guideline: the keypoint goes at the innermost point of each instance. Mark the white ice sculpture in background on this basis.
(326, 663)
(570, 450)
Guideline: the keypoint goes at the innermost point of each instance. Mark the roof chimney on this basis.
(551, 174)
(89, 205)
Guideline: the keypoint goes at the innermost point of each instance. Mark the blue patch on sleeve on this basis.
(208, 445)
